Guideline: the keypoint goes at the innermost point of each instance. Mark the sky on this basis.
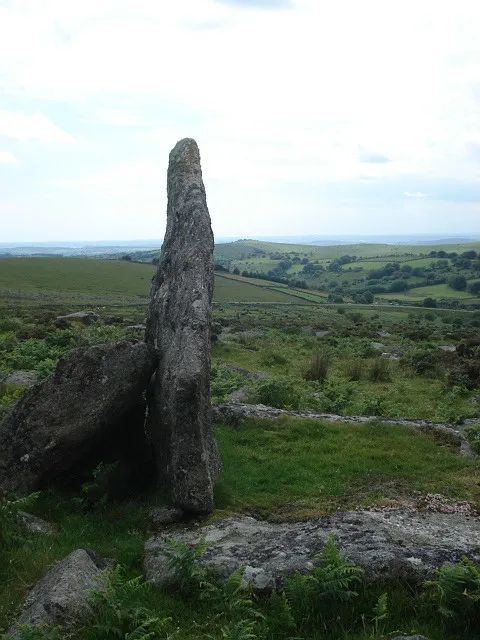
(312, 117)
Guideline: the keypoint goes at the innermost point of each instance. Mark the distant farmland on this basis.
(83, 280)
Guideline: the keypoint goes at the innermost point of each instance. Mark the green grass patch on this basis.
(293, 468)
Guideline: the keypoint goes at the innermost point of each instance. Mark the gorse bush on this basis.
(282, 393)
(318, 368)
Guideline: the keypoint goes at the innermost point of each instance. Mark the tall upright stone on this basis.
(178, 326)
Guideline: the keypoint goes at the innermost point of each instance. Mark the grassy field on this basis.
(299, 468)
(34, 278)
(437, 291)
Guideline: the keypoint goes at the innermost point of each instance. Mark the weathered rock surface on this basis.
(22, 378)
(396, 544)
(34, 524)
(61, 596)
(84, 317)
(162, 516)
(67, 418)
(178, 327)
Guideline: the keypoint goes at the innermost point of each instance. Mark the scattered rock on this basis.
(65, 420)
(239, 395)
(84, 317)
(383, 334)
(34, 524)
(61, 596)
(416, 637)
(322, 333)
(394, 544)
(136, 328)
(393, 354)
(178, 326)
(22, 378)
(440, 504)
(448, 348)
(161, 516)
(378, 346)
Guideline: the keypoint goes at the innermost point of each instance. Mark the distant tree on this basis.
(430, 302)
(458, 282)
(220, 267)
(399, 285)
(474, 287)
(236, 271)
(469, 255)
(127, 257)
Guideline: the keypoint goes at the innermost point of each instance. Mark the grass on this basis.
(239, 290)
(294, 468)
(434, 291)
(76, 274)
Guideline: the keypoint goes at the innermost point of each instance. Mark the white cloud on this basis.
(317, 94)
(25, 127)
(6, 157)
(414, 194)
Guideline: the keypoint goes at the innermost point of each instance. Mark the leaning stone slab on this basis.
(71, 416)
(396, 544)
(61, 596)
(178, 326)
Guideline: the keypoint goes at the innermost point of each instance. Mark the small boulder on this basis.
(22, 378)
(61, 597)
(34, 524)
(83, 317)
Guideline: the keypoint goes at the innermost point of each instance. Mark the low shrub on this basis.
(282, 393)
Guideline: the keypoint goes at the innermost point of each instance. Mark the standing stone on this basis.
(178, 326)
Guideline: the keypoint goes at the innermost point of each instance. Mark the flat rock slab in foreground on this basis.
(178, 327)
(396, 544)
(83, 406)
(61, 596)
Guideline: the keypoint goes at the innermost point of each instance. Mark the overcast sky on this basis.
(312, 117)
